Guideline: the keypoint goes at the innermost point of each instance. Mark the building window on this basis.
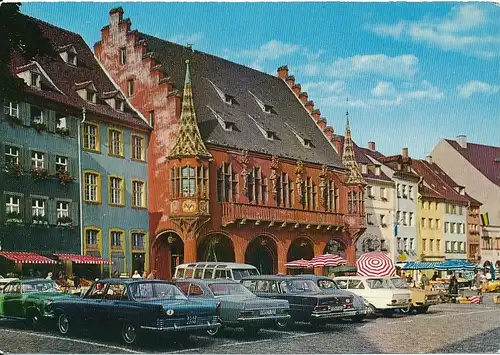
(410, 192)
(116, 239)
(383, 194)
(152, 118)
(405, 221)
(11, 155)
(352, 202)
(187, 181)
(130, 87)
(448, 247)
(452, 227)
(61, 122)
(92, 237)
(119, 105)
(310, 194)
(123, 55)
(422, 222)
(138, 241)
(91, 96)
(412, 244)
(438, 245)
(62, 209)
(138, 194)
(116, 191)
(431, 245)
(438, 224)
(410, 219)
(12, 204)
(91, 136)
(37, 160)
(115, 141)
(11, 109)
(404, 191)
(398, 188)
(330, 196)
(369, 191)
(61, 163)
(92, 188)
(369, 220)
(424, 244)
(138, 148)
(71, 58)
(227, 184)
(36, 114)
(38, 208)
(202, 181)
(35, 79)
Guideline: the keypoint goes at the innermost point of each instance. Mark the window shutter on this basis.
(73, 213)
(25, 159)
(51, 163)
(51, 212)
(2, 154)
(51, 120)
(26, 207)
(73, 168)
(3, 201)
(72, 125)
(25, 113)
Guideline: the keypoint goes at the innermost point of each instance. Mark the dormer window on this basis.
(72, 58)
(91, 96)
(307, 143)
(364, 169)
(225, 124)
(377, 170)
(271, 135)
(119, 105)
(264, 107)
(68, 54)
(226, 98)
(35, 79)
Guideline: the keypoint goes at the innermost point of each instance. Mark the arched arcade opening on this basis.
(263, 254)
(216, 247)
(168, 252)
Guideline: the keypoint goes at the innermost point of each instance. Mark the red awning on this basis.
(26, 258)
(83, 259)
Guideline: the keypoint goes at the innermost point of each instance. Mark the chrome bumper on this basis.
(330, 315)
(263, 318)
(178, 328)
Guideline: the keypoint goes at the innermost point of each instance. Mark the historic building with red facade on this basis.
(241, 167)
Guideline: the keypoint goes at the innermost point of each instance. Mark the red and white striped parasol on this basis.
(299, 264)
(327, 260)
(375, 264)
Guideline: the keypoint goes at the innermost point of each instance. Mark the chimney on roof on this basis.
(290, 80)
(338, 145)
(296, 88)
(283, 72)
(316, 114)
(405, 153)
(303, 97)
(462, 141)
(115, 16)
(309, 105)
(371, 146)
(428, 159)
(328, 131)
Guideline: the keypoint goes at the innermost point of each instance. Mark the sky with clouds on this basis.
(413, 72)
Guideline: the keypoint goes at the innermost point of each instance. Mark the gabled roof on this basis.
(438, 181)
(68, 77)
(237, 80)
(484, 158)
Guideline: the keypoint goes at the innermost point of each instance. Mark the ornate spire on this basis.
(189, 142)
(349, 158)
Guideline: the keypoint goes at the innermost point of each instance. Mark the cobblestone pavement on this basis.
(446, 328)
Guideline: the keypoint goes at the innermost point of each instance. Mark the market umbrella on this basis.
(375, 264)
(299, 264)
(455, 265)
(327, 260)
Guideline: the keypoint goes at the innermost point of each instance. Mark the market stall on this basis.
(27, 264)
(298, 267)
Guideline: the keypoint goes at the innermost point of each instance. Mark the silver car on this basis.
(239, 306)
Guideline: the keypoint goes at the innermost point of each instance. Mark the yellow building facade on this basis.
(430, 228)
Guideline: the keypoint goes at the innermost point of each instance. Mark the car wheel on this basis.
(388, 312)
(407, 310)
(422, 310)
(251, 330)
(129, 333)
(63, 324)
(283, 324)
(214, 331)
(33, 319)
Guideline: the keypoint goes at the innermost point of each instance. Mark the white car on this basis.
(381, 296)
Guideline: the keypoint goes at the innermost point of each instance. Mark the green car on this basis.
(27, 300)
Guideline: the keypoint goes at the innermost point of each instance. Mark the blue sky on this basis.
(413, 72)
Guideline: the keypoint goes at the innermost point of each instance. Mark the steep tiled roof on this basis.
(361, 155)
(434, 176)
(484, 158)
(429, 193)
(66, 77)
(290, 121)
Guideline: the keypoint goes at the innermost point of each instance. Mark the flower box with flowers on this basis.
(39, 126)
(64, 221)
(14, 120)
(40, 220)
(39, 173)
(13, 217)
(14, 169)
(64, 177)
(64, 132)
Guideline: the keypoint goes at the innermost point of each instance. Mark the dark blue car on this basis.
(133, 306)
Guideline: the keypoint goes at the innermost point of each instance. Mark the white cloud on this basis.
(402, 66)
(474, 86)
(312, 56)
(462, 30)
(184, 39)
(383, 88)
(331, 87)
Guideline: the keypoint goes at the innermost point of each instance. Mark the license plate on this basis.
(267, 312)
(338, 308)
(191, 320)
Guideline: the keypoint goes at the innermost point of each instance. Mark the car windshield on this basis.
(375, 283)
(238, 274)
(300, 285)
(40, 286)
(148, 291)
(225, 289)
(396, 282)
(329, 284)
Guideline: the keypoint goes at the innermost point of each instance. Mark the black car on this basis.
(307, 302)
(133, 306)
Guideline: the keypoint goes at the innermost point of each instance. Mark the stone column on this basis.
(319, 248)
(190, 250)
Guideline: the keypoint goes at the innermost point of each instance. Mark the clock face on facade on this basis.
(189, 206)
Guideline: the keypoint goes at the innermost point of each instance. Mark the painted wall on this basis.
(430, 226)
(457, 236)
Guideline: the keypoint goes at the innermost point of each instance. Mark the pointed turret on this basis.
(189, 142)
(349, 158)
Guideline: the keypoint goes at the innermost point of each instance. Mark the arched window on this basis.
(352, 202)
(187, 181)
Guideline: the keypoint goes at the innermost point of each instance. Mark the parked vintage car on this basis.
(360, 304)
(5, 281)
(29, 300)
(307, 302)
(421, 299)
(214, 270)
(377, 292)
(134, 306)
(239, 306)
(490, 286)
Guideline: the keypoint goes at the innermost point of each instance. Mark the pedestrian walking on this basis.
(435, 276)
(425, 281)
